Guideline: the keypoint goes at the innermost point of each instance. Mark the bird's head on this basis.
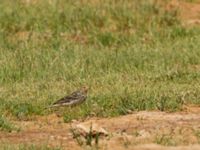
(84, 89)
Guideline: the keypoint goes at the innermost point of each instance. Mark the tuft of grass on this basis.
(7, 126)
(166, 140)
(86, 139)
(197, 134)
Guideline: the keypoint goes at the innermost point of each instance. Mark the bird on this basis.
(73, 99)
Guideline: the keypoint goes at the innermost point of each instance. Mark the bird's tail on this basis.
(54, 106)
(50, 107)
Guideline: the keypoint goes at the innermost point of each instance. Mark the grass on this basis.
(134, 55)
(86, 139)
(7, 126)
(197, 134)
(5, 146)
(166, 140)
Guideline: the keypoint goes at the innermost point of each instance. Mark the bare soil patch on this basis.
(140, 130)
(189, 12)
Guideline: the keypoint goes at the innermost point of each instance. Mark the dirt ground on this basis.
(189, 12)
(137, 131)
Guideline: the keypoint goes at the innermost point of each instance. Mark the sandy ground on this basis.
(188, 12)
(140, 130)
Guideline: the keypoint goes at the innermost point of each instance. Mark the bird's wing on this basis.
(67, 99)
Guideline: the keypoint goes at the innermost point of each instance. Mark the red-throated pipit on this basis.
(73, 99)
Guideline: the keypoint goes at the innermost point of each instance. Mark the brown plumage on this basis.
(73, 99)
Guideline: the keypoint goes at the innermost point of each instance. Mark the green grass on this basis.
(134, 55)
(7, 126)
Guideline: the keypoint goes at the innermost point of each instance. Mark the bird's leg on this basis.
(59, 112)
